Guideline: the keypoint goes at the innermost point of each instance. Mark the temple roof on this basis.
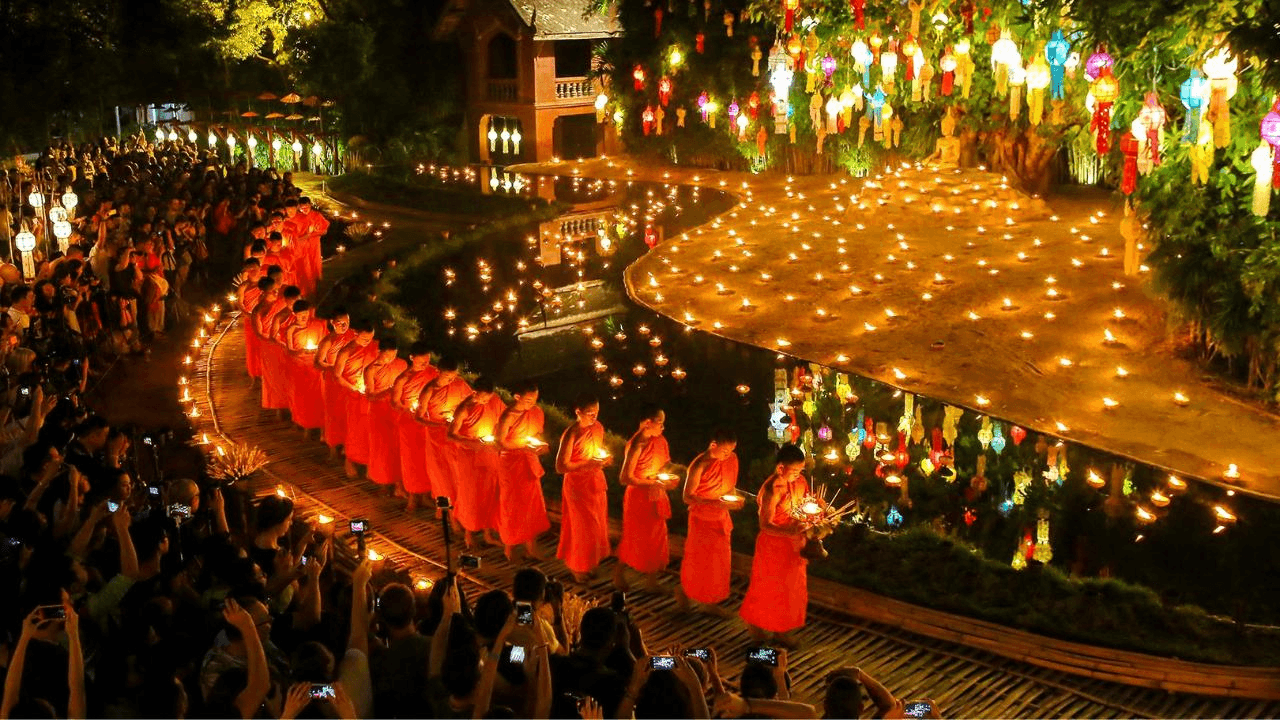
(549, 19)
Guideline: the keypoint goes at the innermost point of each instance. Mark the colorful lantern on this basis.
(1152, 117)
(1056, 53)
(1105, 89)
(638, 75)
(859, 8)
(728, 23)
(1270, 130)
(1097, 61)
(647, 120)
(1262, 162)
(789, 8)
(675, 59)
(862, 59)
(657, 20)
(733, 110)
(1039, 77)
(1221, 69)
(948, 67)
(1193, 92)
(664, 90)
(1017, 78)
(964, 68)
(1130, 148)
(700, 43)
(828, 67)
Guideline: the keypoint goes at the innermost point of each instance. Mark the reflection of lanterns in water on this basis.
(1232, 472)
(1223, 515)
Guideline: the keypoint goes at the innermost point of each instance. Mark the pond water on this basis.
(548, 302)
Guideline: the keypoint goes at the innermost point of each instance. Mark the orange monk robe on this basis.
(283, 260)
(249, 297)
(522, 511)
(356, 447)
(708, 556)
(436, 405)
(306, 404)
(779, 589)
(584, 505)
(263, 321)
(332, 392)
(317, 226)
(384, 441)
(645, 509)
(275, 382)
(295, 243)
(411, 433)
(476, 470)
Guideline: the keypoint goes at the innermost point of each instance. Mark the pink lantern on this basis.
(1271, 125)
(828, 67)
(1097, 61)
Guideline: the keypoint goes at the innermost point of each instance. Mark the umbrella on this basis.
(249, 114)
(314, 119)
(291, 98)
(328, 103)
(274, 115)
(268, 96)
(294, 116)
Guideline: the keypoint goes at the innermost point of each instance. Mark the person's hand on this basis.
(453, 601)
(728, 705)
(589, 709)
(896, 711)
(342, 702)
(120, 519)
(238, 617)
(314, 567)
(283, 564)
(363, 572)
(217, 503)
(34, 623)
(298, 698)
(935, 712)
(72, 623)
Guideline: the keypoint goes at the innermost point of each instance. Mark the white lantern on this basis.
(252, 142)
(213, 139)
(57, 214)
(173, 136)
(506, 140)
(70, 200)
(275, 144)
(191, 136)
(25, 241)
(493, 138)
(297, 146)
(159, 135)
(317, 149)
(516, 137)
(35, 199)
(62, 231)
(231, 141)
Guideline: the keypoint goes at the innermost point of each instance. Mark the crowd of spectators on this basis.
(123, 594)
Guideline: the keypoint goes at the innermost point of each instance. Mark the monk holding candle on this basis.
(267, 294)
(411, 434)
(522, 511)
(302, 380)
(475, 461)
(247, 295)
(263, 317)
(436, 403)
(778, 593)
(384, 441)
(584, 521)
(711, 493)
(645, 506)
(335, 409)
(275, 385)
(349, 368)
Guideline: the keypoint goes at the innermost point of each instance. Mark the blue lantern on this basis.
(1056, 52)
(1193, 92)
(893, 518)
(997, 439)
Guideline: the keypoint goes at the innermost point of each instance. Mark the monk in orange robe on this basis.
(384, 442)
(522, 511)
(584, 507)
(275, 391)
(306, 406)
(350, 367)
(645, 506)
(436, 404)
(280, 257)
(410, 433)
(475, 461)
(331, 391)
(778, 594)
(247, 296)
(269, 304)
(315, 226)
(710, 492)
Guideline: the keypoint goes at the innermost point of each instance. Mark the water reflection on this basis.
(548, 302)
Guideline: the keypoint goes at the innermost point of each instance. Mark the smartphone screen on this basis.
(322, 691)
(53, 612)
(764, 655)
(700, 653)
(524, 613)
(515, 654)
(469, 562)
(916, 709)
(662, 662)
(112, 505)
(359, 526)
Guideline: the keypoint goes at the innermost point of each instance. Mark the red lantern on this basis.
(664, 90)
(789, 8)
(1105, 90)
(638, 75)
(647, 119)
(700, 42)
(657, 21)
(753, 106)
(1129, 180)
(1018, 434)
(966, 11)
(948, 65)
(858, 7)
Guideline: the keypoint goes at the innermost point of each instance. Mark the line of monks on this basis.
(422, 430)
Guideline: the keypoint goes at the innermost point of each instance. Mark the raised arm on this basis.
(249, 699)
(120, 520)
(76, 708)
(17, 663)
(359, 637)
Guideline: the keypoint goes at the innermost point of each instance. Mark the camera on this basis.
(917, 709)
(359, 527)
(112, 506)
(154, 491)
(52, 612)
(179, 510)
(703, 654)
(469, 562)
(322, 691)
(763, 655)
(662, 662)
(524, 613)
(443, 503)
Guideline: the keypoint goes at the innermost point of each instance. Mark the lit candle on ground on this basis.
(1232, 472)
(1181, 400)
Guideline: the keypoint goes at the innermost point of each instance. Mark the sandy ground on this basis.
(943, 305)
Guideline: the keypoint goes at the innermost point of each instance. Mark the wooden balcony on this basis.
(574, 88)
(502, 90)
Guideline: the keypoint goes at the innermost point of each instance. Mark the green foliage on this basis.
(244, 29)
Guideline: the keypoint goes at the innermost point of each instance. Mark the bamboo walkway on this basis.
(966, 682)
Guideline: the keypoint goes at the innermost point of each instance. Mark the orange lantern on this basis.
(1105, 90)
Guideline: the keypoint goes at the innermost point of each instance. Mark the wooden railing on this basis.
(502, 90)
(574, 88)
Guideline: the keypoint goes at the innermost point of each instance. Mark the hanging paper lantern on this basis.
(997, 439)
(828, 66)
(700, 43)
(859, 8)
(789, 8)
(646, 120)
(1152, 116)
(862, 59)
(1193, 93)
(1018, 434)
(794, 48)
(1262, 162)
(602, 101)
(733, 110)
(1056, 53)
(948, 66)
(824, 433)
(893, 518)
(833, 115)
(675, 58)
(964, 68)
(638, 75)
(664, 90)
(1130, 148)
(728, 23)
(657, 20)
(1221, 69)
(967, 8)
(1097, 61)
(1017, 78)
(1039, 77)
(1105, 89)
(1270, 130)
